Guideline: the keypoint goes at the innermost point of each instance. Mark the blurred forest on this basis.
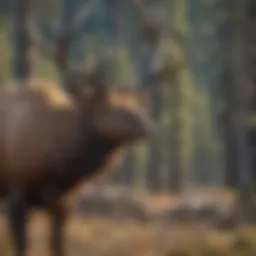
(203, 101)
(196, 61)
(199, 103)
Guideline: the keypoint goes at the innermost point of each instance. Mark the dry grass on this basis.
(97, 237)
(112, 237)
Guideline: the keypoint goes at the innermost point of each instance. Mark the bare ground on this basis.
(97, 237)
(129, 237)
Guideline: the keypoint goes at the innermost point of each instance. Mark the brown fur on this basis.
(40, 127)
(39, 122)
(50, 143)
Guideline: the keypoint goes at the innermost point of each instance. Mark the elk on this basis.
(51, 145)
(52, 141)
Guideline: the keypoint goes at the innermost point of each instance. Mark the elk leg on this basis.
(17, 217)
(59, 214)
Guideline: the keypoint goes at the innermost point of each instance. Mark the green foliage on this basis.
(47, 69)
(123, 67)
(6, 51)
(252, 120)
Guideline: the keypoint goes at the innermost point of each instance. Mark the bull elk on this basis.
(50, 145)
(52, 141)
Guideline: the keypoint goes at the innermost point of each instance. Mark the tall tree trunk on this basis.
(153, 176)
(77, 46)
(176, 131)
(243, 101)
(250, 67)
(150, 32)
(231, 177)
(175, 140)
(23, 65)
(209, 50)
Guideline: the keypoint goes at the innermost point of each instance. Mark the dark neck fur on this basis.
(92, 153)
(90, 156)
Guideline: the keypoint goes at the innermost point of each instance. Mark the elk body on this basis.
(50, 143)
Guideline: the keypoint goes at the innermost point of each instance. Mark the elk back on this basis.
(39, 128)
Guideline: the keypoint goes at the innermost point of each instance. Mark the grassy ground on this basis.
(97, 237)
(116, 237)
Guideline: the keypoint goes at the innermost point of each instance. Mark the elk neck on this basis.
(92, 154)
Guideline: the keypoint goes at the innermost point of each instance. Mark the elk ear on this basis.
(82, 95)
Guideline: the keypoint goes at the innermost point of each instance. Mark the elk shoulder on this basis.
(39, 128)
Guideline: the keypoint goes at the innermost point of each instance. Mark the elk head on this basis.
(115, 115)
(122, 117)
